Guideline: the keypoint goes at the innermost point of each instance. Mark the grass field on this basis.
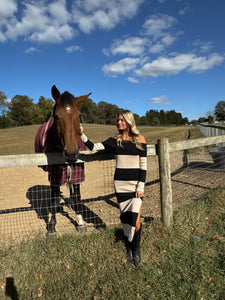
(21, 140)
(183, 263)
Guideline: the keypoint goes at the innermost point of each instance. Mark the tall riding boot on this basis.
(136, 250)
(129, 250)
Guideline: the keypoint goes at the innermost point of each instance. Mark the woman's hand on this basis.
(81, 130)
(139, 194)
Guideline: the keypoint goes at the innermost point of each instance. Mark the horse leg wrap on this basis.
(81, 226)
(136, 250)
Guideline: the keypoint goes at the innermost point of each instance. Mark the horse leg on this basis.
(55, 199)
(76, 205)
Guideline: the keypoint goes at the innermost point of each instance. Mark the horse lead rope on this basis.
(69, 175)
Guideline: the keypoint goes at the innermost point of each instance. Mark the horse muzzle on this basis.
(71, 157)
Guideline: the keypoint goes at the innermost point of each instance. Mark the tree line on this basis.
(22, 111)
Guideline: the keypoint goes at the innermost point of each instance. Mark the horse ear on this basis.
(82, 98)
(55, 93)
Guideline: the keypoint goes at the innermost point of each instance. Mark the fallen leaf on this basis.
(148, 286)
(211, 279)
(40, 293)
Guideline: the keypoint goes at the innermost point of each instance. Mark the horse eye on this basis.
(56, 117)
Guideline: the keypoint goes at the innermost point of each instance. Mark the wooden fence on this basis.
(163, 149)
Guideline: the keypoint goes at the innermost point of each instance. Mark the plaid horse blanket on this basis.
(47, 140)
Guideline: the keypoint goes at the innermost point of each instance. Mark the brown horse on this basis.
(67, 118)
(61, 134)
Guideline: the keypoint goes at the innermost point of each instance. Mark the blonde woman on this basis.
(130, 150)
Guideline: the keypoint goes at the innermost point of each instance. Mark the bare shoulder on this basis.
(142, 138)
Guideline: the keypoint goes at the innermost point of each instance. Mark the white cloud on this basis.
(185, 10)
(168, 39)
(32, 50)
(53, 21)
(41, 22)
(73, 48)
(53, 34)
(158, 25)
(7, 9)
(59, 12)
(202, 46)
(120, 67)
(173, 65)
(203, 63)
(161, 101)
(103, 14)
(2, 37)
(156, 48)
(158, 28)
(133, 80)
(132, 46)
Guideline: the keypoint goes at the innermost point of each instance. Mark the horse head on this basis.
(67, 118)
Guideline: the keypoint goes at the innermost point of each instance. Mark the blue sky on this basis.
(137, 54)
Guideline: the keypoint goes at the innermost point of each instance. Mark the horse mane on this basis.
(67, 98)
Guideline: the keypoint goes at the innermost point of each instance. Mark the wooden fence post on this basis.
(165, 182)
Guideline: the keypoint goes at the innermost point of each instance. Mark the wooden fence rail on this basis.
(162, 149)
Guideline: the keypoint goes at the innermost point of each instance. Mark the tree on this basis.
(220, 111)
(22, 111)
(155, 121)
(137, 119)
(202, 120)
(210, 119)
(107, 113)
(185, 121)
(45, 107)
(150, 115)
(162, 117)
(3, 103)
(4, 122)
(88, 111)
(143, 120)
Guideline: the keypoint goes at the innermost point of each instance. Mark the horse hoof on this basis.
(51, 234)
(51, 229)
(81, 228)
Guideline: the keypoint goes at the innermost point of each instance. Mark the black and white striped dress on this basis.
(129, 177)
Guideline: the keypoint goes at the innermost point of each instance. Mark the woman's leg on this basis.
(136, 249)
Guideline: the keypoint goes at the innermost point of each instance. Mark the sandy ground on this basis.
(25, 194)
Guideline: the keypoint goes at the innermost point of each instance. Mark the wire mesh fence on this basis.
(26, 195)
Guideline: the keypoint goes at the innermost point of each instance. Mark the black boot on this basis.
(136, 250)
(129, 250)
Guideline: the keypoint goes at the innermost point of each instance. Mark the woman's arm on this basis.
(91, 146)
(143, 168)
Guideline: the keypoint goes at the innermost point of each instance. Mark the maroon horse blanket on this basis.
(47, 140)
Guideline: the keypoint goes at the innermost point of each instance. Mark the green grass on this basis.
(184, 262)
(21, 140)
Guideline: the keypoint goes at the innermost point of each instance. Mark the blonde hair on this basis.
(134, 132)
